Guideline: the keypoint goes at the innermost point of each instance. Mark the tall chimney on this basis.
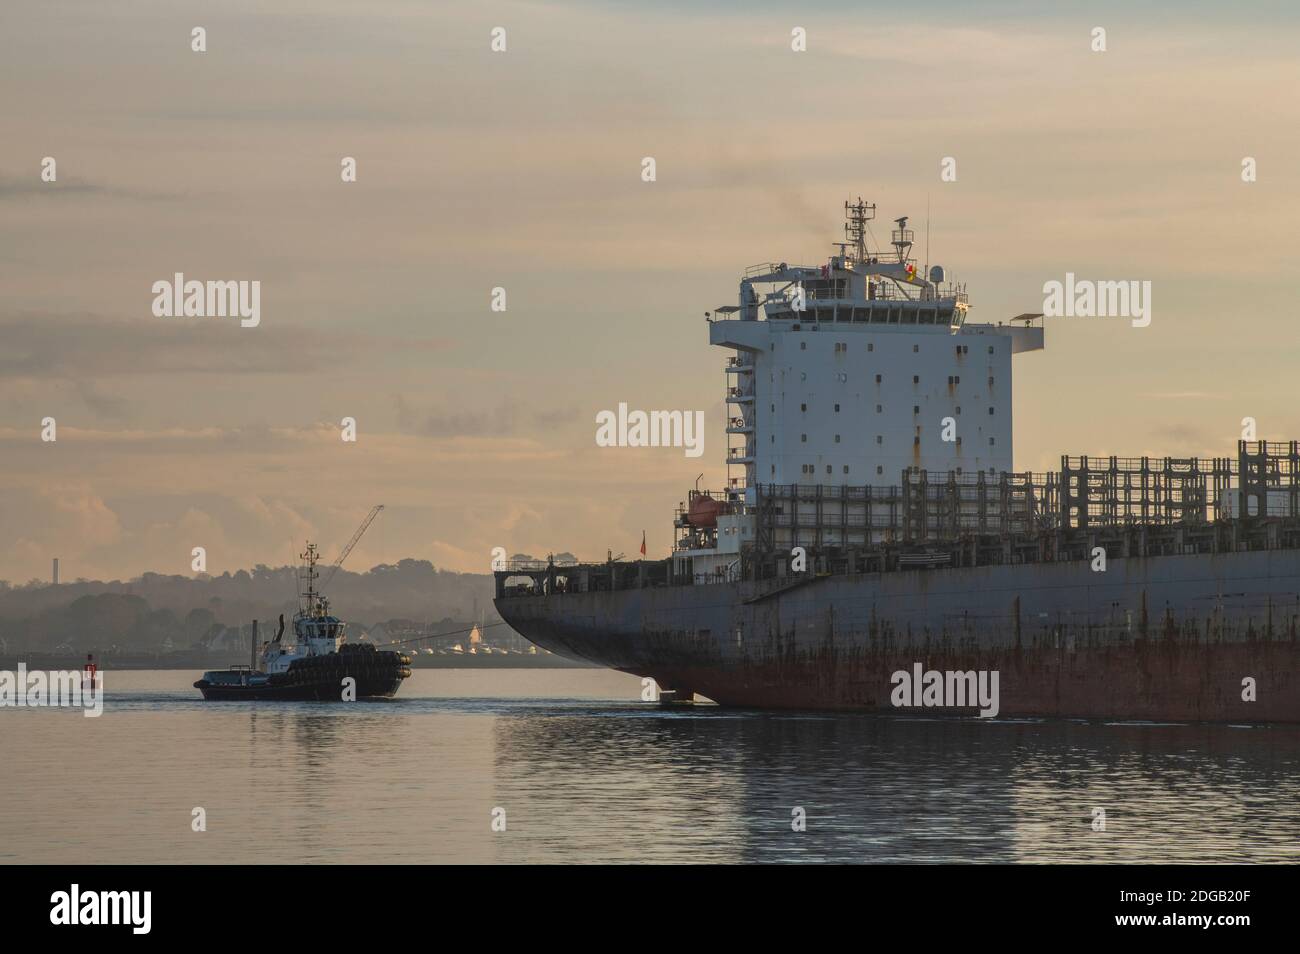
(56, 571)
(253, 658)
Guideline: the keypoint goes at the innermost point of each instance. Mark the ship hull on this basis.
(1172, 638)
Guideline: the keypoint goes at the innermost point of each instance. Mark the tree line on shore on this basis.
(160, 613)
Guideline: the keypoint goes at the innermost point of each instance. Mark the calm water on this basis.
(585, 772)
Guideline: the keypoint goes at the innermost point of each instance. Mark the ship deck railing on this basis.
(839, 556)
(1129, 506)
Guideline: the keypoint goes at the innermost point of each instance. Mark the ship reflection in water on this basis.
(713, 785)
(585, 772)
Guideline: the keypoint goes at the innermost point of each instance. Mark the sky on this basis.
(522, 170)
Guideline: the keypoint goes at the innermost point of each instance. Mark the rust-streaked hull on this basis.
(1164, 638)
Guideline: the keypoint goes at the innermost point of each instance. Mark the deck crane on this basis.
(370, 518)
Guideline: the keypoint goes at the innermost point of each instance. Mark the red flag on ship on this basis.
(643, 543)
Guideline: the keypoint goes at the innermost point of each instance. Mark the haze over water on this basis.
(587, 772)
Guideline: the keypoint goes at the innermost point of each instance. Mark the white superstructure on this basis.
(848, 373)
(316, 631)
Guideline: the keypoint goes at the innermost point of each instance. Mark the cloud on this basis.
(452, 557)
(67, 187)
(503, 419)
(82, 346)
(1181, 395)
(64, 521)
(1186, 439)
(100, 403)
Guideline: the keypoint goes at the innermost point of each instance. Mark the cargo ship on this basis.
(872, 535)
(318, 665)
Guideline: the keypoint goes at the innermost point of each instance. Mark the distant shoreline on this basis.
(201, 662)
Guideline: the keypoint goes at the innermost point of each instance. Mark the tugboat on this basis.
(316, 665)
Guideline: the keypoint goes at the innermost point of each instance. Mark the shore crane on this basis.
(365, 524)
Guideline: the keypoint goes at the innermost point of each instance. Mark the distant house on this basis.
(230, 640)
(224, 639)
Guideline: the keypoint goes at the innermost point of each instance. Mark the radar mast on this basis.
(857, 216)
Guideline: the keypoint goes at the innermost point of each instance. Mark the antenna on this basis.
(927, 238)
(307, 576)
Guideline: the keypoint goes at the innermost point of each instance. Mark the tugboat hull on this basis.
(377, 675)
(367, 688)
